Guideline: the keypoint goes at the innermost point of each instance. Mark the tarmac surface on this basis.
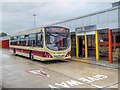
(21, 72)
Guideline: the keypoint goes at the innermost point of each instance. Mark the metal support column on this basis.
(97, 45)
(110, 45)
(86, 46)
(77, 50)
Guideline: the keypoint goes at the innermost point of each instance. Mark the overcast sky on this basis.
(18, 16)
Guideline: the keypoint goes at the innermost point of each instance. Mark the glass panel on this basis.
(57, 38)
(86, 21)
(94, 19)
(40, 39)
(114, 15)
(91, 45)
(103, 45)
(22, 43)
(13, 40)
(80, 22)
(27, 40)
(103, 18)
(32, 40)
(116, 45)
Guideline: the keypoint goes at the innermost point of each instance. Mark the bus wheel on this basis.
(32, 56)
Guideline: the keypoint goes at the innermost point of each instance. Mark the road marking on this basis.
(96, 86)
(62, 84)
(92, 78)
(51, 86)
(39, 72)
(80, 81)
(73, 82)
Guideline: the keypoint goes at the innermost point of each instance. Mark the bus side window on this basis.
(27, 40)
(18, 40)
(40, 39)
(32, 40)
(22, 39)
(13, 40)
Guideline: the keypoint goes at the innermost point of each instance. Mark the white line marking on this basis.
(86, 80)
(96, 86)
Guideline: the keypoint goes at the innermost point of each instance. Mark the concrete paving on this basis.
(61, 74)
(78, 70)
(104, 63)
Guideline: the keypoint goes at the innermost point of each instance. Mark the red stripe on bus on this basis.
(36, 53)
(18, 50)
(42, 54)
(26, 51)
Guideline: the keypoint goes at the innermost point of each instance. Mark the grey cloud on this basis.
(15, 7)
(18, 16)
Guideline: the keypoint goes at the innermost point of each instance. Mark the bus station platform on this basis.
(104, 63)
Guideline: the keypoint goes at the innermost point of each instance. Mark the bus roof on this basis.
(27, 32)
(32, 31)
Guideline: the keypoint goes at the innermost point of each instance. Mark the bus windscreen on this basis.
(57, 38)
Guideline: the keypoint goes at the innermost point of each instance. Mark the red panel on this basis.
(37, 53)
(26, 51)
(42, 54)
(5, 44)
(18, 50)
(110, 45)
(68, 54)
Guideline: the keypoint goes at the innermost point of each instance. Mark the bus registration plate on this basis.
(58, 56)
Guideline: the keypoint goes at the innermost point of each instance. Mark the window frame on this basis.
(37, 39)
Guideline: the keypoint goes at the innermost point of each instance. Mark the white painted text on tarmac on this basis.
(80, 81)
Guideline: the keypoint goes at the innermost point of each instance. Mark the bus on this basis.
(44, 44)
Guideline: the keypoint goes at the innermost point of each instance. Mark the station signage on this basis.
(86, 28)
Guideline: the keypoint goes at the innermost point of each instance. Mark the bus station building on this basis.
(96, 36)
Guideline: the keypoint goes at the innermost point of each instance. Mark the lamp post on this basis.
(34, 20)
